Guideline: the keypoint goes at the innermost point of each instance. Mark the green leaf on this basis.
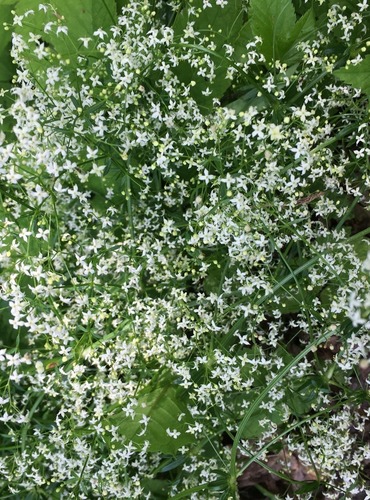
(357, 75)
(81, 17)
(361, 248)
(121, 4)
(221, 25)
(260, 416)
(250, 98)
(307, 487)
(173, 463)
(303, 30)
(156, 488)
(301, 396)
(254, 430)
(222, 21)
(244, 36)
(166, 409)
(303, 27)
(273, 21)
(292, 299)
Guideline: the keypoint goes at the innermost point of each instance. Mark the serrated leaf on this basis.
(356, 75)
(166, 409)
(273, 21)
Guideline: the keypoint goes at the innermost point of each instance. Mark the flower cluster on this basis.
(165, 253)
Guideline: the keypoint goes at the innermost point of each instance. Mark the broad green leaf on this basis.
(247, 100)
(273, 21)
(244, 36)
(303, 27)
(6, 17)
(255, 428)
(156, 488)
(361, 248)
(303, 30)
(120, 5)
(307, 487)
(81, 17)
(225, 21)
(357, 75)
(166, 409)
(220, 25)
(259, 422)
(300, 402)
(291, 299)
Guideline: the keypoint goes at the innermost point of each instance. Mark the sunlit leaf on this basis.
(273, 21)
(81, 18)
(165, 407)
(357, 75)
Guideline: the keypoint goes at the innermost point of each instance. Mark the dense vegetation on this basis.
(184, 269)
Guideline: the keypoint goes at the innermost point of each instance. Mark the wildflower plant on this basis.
(184, 221)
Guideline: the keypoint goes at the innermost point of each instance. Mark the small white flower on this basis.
(206, 176)
(62, 29)
(85, 41)
(173, 433)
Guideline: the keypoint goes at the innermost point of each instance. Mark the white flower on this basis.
(173, 433)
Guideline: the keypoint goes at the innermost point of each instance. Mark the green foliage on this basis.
(180, 251)
(308, 487)
(222, 26)
(357, 75)
(275, 22)
(303, 30)
(261, 420)
(165, 408)
(362, 248)
(81, 18)
(303, 394)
